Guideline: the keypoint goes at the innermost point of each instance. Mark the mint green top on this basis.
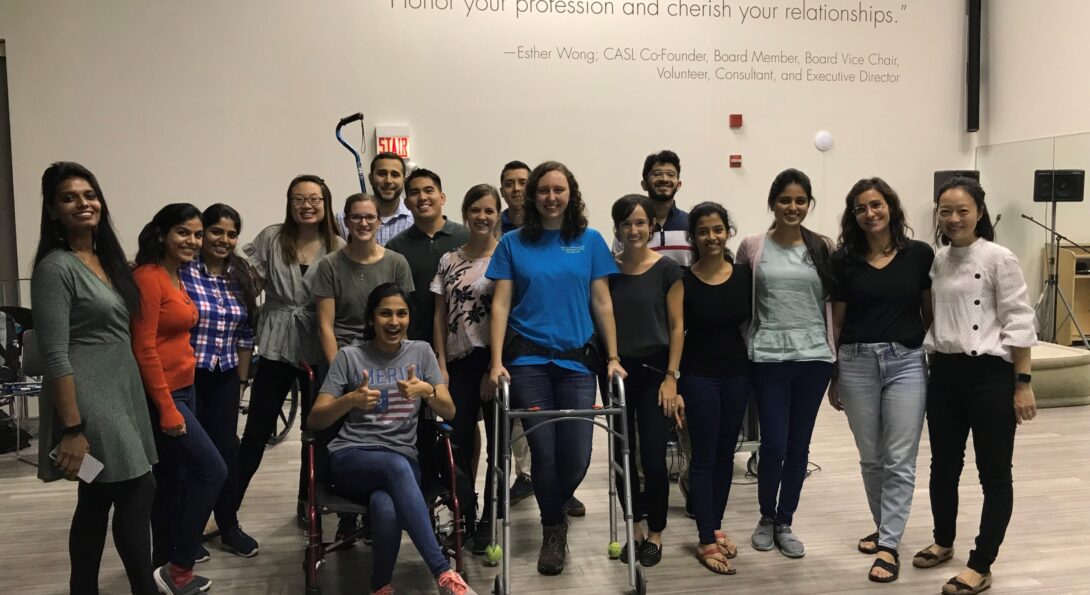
(790, 304)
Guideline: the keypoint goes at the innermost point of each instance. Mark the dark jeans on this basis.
(648, 430)
(714, 409)
(217, 410)
(189, 476)
(389, 483)
(271, 385)
(789, 395)
(465, 389)
(131, 501)
(971, 393)
(561, 451)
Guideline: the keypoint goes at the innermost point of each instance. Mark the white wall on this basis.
(226, 101)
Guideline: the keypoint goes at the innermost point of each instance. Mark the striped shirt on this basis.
(223, 327)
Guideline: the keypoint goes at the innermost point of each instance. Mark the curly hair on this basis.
(853, 240)
(575, 217)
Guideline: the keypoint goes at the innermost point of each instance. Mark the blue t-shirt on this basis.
(550, 304)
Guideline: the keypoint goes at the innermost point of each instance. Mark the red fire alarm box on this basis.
(736, 120)
(736, 161)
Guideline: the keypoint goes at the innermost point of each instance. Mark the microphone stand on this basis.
(1046, 303)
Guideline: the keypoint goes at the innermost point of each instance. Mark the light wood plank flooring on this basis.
(1045, 551)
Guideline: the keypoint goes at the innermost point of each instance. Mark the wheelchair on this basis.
(440, 492)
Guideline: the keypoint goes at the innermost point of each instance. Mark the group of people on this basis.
(388, 306)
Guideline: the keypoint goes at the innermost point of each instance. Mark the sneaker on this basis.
(574, 507)
(788, 542)
(166, 586)
(236, 541)
(347, 525)
(763, 539)
(554, 548)
(387, 590)
(452, 583)
(201, 555)
(522, 489)
(481, 538)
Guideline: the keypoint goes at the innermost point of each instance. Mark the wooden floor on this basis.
(1045, 551)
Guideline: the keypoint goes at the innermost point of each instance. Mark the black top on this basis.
(884, 304)
(639, 307)
(714, 345)
(423, 254)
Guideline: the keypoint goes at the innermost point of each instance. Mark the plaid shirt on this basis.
(222, 329)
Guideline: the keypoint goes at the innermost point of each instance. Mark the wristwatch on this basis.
(675, 373)
(1024, 378)
(72, 430)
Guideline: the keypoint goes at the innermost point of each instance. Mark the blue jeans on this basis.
(788, 397)
(714, 408)
(561, 451)
(189, 475)
(883, 387)
(389, 483)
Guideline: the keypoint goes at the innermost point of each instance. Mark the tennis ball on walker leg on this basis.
(493, 554)
(614, 550)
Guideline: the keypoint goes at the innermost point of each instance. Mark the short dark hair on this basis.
(513, 165)
(374, 299)
(984, 228)
(387, 155)
(151, 248)
(623, 207)
(575, 217)
(853, 240)
(422, 172)
(664, 156)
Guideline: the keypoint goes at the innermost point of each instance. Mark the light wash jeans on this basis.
(883, 387)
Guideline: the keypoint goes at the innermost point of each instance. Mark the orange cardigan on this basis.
(160, 340)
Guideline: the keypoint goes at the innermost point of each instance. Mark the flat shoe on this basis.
(869, 550)
(649, 554)
(959, 588)
(925, 558)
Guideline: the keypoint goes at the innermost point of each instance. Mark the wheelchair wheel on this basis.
(751, 464)
(641, 582)
(498, 588)
(286, 418)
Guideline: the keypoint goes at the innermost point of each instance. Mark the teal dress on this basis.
(82, 326)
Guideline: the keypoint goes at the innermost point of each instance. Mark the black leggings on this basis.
(131, 501)
(465, 389)
(271, 385)
(975, 394)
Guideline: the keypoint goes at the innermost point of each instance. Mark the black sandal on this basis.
(925, 558)
(961, 588)
(893, 568)
(649, 554)
(873, 537)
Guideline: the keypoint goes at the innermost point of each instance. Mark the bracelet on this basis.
(73, 430)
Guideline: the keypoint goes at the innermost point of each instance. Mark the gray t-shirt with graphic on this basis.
(391, 424)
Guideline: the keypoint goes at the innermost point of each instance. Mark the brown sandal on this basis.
(925, 558)
(712, 559)
(727, 547)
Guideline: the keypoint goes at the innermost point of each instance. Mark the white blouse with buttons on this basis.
(981, 303)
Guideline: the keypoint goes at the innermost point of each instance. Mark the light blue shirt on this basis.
(790, 307)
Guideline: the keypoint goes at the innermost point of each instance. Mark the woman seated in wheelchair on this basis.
(379, 386)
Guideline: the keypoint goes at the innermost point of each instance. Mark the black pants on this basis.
(217, 410)
(648, 429)
(271, 385)
(131, 501)
(971, 393)
(465, 389)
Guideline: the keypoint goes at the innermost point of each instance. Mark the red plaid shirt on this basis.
(223, 328)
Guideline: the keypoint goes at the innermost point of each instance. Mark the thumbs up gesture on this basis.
(413, 388)
(366, 397)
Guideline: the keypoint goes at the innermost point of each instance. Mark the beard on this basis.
(654, 195)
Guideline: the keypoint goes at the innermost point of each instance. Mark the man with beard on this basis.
(662, 179)
(513, 179)
(387, 179)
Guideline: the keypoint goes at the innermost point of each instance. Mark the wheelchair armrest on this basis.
(443, 429)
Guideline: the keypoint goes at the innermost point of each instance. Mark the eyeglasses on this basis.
(874, 206)
(669, 174)
(310, 200)
(358, 218)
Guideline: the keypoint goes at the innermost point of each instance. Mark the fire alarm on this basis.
(736, 161)
(736, 120)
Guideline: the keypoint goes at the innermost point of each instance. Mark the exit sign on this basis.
(392, 139)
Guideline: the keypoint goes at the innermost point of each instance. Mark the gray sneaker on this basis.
(762, 539)
(788, 542)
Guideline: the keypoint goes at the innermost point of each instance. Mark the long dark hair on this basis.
(377, 295)
(575, 217)
(151, 248)
(703, 210)
(289, 232)
(817, 245)
(106, 245)
(242, 276)
(853, 240)
(984, 228)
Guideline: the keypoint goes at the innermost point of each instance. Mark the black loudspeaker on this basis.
(942, 177)
(972, 68)
(1060, 185)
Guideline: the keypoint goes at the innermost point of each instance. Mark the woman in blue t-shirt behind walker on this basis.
(550, 276)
